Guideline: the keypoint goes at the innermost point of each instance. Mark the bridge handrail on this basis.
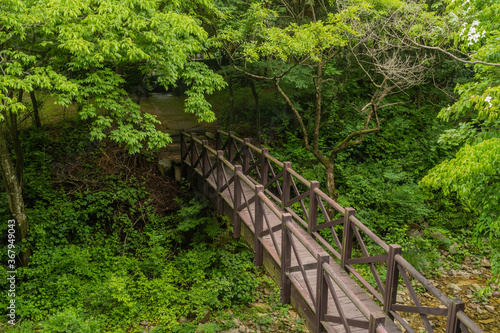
(397, 266)
(369, 233)
(329, 200)
(468, 323)
(420, 278)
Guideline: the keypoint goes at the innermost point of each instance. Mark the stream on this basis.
(169, 109)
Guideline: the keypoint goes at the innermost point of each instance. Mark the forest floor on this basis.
(466, 282)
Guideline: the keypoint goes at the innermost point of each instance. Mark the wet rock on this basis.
(454, 248)
(475, 287)
(415, 233)
(489, 308)
(182, 320)
(144, 323)
(485, 263)
(454, 287)
(399, 299)
(206, 316)
(231, 330)
(437, 235)
(261, 307)
(166, 167)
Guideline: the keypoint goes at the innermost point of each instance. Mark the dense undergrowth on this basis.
(106, 255)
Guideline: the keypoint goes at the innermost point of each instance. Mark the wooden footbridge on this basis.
(316, 250)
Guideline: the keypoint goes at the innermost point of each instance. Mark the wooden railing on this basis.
(308, 214)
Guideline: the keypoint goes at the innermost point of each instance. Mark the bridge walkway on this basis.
(312, 247)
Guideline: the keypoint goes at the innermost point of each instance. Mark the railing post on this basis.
(321, 294)
(218, 142)
(220, 180)
(259, 221)
(264, 166)
(193, 149)
(286, 259)
(236, 202)
(313, 207)
(205, 167)
(246, 155)
(374, 323)
(193, 161)
(286, 183)
(452, 323)
(391, 282)
(230, 147)
(347, 238)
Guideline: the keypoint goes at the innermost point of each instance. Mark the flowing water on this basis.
(169, 109)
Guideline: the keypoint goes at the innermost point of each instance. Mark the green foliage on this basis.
(104, 260)
(70, 321)
(84, 40)
(472, 175)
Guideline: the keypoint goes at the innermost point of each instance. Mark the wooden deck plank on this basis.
(350, 310)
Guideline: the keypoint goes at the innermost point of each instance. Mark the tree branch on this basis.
(475, 62)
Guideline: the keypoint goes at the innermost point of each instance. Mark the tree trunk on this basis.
(36, 115)
(330, 180)
(257, 108)
(231, 101)
(14, 136)
(14, 192)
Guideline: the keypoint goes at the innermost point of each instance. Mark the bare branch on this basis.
(475, 62)
(392, 104)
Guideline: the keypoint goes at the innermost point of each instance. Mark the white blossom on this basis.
(488, 99)
(473, 35)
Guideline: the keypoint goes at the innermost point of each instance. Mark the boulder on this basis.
(454, 248)
(485, 263)
(415, 233)
(437, 235)
(166, 167)
(475, 287)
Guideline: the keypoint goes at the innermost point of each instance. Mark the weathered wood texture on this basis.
(311, 246)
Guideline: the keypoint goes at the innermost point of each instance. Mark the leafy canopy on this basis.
(73, 49)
